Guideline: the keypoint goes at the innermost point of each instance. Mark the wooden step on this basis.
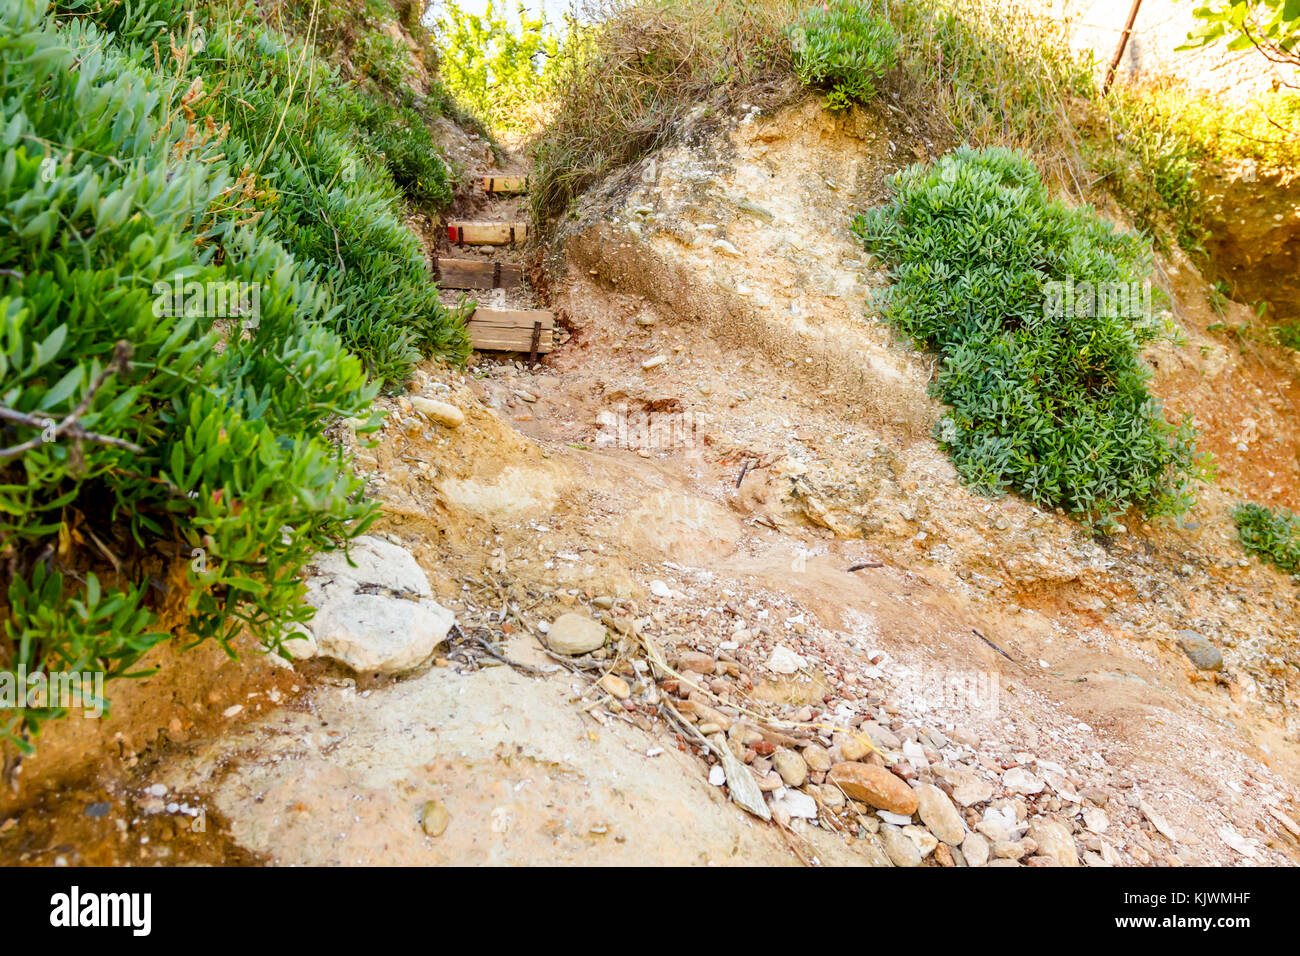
(466, 233)
(512, 330)
(505, 184)
(477, 274)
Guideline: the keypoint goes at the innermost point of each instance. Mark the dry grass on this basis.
(630, 81)
(994, 73)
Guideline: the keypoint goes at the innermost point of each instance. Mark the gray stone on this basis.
(1200, 651)
(882, 737)
(575, 634)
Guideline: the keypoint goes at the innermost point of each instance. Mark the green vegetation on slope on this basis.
(1272, 535)
(200, 262)
(843, 47)
(1038, 311)
(501, 70)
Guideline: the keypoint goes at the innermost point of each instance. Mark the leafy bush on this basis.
(502, 71)
(1048, 397)
(399, 138)
(1270, 26)
(843, 47)
(1274, 536)
(162, 459)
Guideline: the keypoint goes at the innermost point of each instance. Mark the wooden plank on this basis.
(466, 233)
(511, 330)
(505, 184)
(477, 274)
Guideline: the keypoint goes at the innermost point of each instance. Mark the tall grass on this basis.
(639, 71)
(994, 73)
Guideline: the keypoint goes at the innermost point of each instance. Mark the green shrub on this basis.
(501, 70)
(1272, 535)
(843, 47)
(399, 138)
(163, 454)
(1049, 397)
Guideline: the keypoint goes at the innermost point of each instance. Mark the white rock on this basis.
(659, 589)
(726, 248)
(915, 754)
(1095, 819)
(1158, 821)
(796, 803)
(1238, 842)
(376, 617)
(1020, 780)
(897, 819)
(440, 412)
(925, 840)
(785, 661)
(717, 776)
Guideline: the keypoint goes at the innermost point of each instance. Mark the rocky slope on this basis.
(797, 637)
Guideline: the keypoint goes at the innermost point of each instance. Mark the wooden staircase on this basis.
(530, 331)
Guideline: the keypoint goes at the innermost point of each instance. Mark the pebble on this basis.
(1095, 820)
(970, 790)
(975, 848)
(938, 813)
(1008, 849)
(696, 661)
(875, 786)
(851, 748)
(446, 415)
(575, 634)
(923, 838)
(1020, 780)
(616, 686)
(818, 758)
(1200, 651)
(882, 737)
(726, 248)
(655, 362)
(434, 818)
(832, 796)
(785, 661)
(1054, 840)
(717, 776)
(791, 767)
(901, 849)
